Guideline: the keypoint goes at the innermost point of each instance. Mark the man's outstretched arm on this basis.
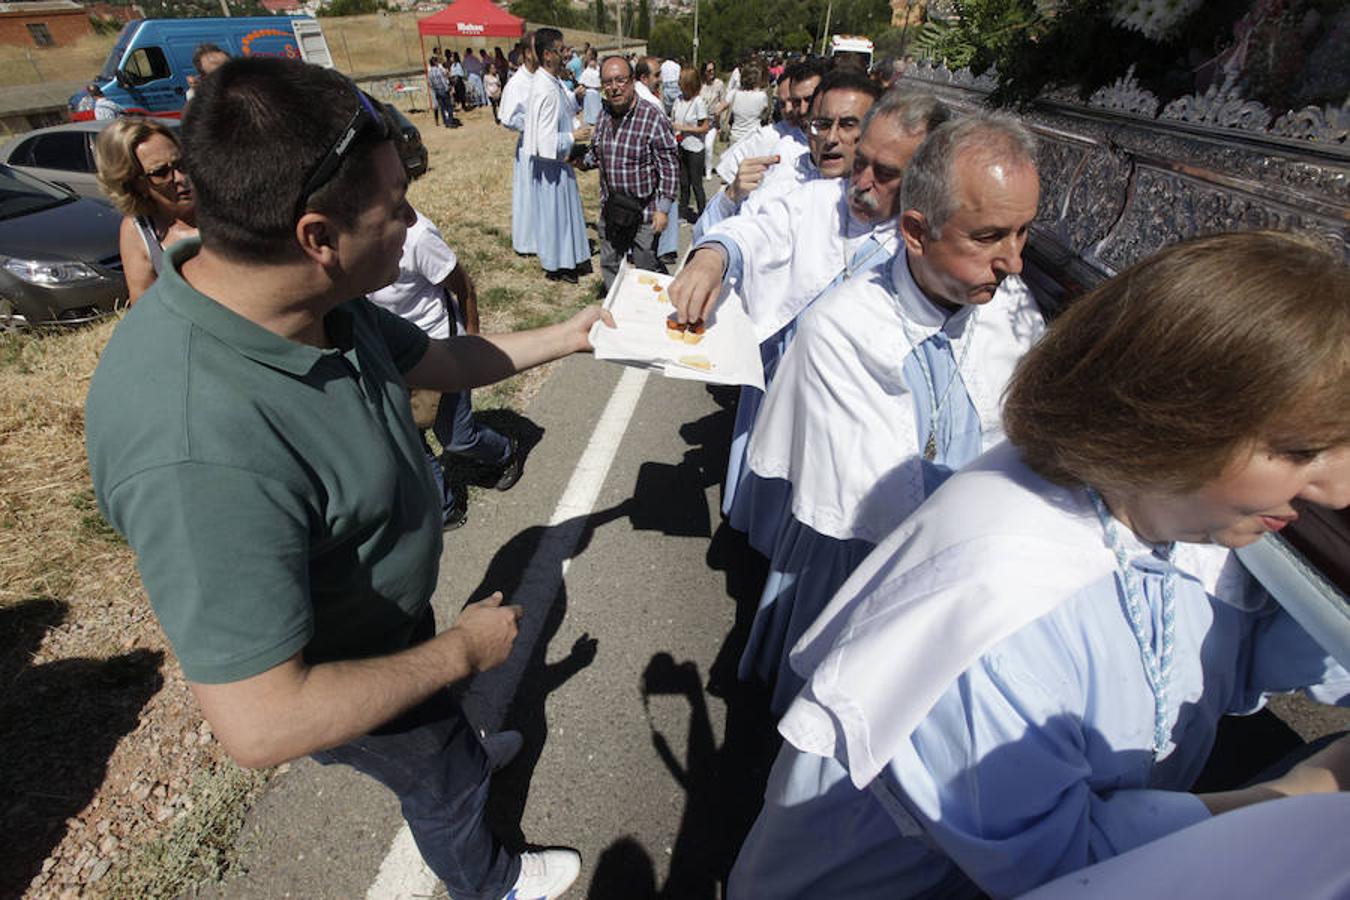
(470, 361)
(292, 709)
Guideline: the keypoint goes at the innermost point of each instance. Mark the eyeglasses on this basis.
(622, 81)
(820, 126)
(366, 119)
(164, 173)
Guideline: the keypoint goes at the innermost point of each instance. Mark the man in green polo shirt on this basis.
(249, 432)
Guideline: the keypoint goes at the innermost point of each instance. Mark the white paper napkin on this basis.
(726, 352)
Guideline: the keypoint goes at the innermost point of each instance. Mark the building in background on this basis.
(43, 23)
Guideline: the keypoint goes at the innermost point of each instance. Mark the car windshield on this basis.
(22, 194)
(115, 56)
(399, 117)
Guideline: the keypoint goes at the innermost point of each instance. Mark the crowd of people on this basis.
(1002, 619)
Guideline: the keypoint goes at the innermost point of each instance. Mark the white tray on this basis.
(726, 353)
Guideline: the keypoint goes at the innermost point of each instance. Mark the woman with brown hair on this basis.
(690, 119)
(140, 168)
(1026, 677)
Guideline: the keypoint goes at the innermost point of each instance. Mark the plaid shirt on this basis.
(636, 154)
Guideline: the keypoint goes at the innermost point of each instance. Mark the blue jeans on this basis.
(446, 107)
(444, 489)
(432, 760)
(460, 433)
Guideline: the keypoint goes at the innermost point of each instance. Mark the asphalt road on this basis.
(642, 749)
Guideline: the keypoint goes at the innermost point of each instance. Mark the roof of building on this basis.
(31, 7)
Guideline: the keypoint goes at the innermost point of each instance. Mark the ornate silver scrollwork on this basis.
(1327, 125)
(1117, 187)
(1221, 105)
(1126, 95)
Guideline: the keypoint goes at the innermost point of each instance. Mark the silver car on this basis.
(62, 154)
(59, 256)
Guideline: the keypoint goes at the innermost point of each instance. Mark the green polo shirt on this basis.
(277, 495)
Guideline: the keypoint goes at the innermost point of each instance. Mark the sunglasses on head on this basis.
(366, 119)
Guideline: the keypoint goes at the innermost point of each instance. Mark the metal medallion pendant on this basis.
(930, 448)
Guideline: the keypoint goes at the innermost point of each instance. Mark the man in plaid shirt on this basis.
(634, 148)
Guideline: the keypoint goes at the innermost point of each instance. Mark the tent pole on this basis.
(422, 45)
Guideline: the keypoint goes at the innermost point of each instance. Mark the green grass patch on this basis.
(12, 344)
(92, 522)
(199, 846)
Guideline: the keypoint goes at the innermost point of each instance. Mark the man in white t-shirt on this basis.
(647, 81)
(670, 84)
(435, 293)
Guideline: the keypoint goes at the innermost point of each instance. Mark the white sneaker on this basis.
(545, 874)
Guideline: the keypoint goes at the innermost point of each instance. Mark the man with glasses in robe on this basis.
(752, 168)
(249, 432)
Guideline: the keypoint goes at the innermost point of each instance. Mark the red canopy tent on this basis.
(472, 18)
(469, 18)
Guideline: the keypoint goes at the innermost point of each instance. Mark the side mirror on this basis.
(122, 78)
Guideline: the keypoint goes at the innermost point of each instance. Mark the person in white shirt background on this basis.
(435, 293)
(691, 121)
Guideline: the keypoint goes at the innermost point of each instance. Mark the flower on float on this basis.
(1154, 19)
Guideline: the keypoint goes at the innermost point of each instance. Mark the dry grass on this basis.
(32, 65)
(149, 803)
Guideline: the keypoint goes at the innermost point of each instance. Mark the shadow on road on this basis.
(529, 571)
(723, 784)
(464, 470)
(62, 721)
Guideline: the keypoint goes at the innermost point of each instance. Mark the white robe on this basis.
(559, 226)
(514, 103)
(782, 179)
(838, 422)
(515, 99)
(1295, 847)
(1036, 543)
(786, 140)
(793, 248)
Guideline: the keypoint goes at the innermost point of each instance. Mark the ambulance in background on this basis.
(148, 68)
(851, 49)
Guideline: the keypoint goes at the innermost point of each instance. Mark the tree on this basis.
(644, 21)
(671, 39)
(352, 7)
(601, 17)
(546, 11)
(193, 9)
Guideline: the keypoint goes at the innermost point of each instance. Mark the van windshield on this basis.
(115, 56)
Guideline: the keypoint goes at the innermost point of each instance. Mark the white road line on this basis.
(403, 875)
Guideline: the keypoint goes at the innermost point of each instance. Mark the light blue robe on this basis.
(806, 568)
(514, 106)
(1037, 761)
(560, 228)
(669, 240)
(523, 240)
(591, 106)
(742, 513)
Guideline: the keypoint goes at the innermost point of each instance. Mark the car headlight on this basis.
(49, 272)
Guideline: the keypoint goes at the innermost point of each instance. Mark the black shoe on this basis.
(515, 464)
(501, 748)
(567, 275)
(458, 514)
